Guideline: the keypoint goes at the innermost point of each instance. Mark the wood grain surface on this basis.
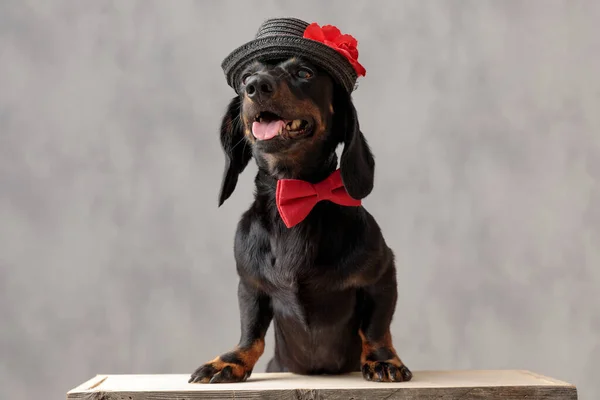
(464, 385)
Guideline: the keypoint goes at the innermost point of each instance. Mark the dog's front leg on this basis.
(256, 314)
(379, 359)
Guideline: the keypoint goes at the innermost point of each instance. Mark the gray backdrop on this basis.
(484, 118)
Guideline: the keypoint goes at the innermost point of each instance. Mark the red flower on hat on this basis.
(343, 44)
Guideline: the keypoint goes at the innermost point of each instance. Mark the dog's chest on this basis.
(312, 257)
(304, 289)
(300, 260)
(300, 269)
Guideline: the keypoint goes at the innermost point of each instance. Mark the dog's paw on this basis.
(234, 366)
(386, 371)
(219, 371)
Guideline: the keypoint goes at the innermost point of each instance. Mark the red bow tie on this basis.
(295, 198)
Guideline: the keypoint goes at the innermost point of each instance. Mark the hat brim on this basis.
(281, 47)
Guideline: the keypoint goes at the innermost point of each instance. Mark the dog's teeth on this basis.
(295, 124)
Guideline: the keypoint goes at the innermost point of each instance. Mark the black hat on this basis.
(279, 38)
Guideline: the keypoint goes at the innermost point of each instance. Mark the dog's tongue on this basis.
(267, 130)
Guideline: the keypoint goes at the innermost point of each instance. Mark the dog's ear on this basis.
(357, 164)
(237, 151)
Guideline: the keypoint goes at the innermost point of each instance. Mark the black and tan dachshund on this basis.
(328, 283)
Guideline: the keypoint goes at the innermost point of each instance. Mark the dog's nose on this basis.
(260, 87)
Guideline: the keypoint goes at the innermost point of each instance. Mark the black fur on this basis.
(328, 284)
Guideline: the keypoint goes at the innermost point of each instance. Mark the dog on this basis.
(328, 284)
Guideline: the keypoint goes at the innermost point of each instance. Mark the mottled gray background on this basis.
(485, 121)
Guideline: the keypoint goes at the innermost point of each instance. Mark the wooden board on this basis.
(464, 385)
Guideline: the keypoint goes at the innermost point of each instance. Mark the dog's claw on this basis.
(405, 373)
(220, 372)
(224, 376)
(201, 374)
(367, 372)
(382, 371)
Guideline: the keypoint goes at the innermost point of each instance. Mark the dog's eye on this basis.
(245, 78)
(304, 73)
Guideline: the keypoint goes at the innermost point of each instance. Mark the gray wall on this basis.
(484, 117)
